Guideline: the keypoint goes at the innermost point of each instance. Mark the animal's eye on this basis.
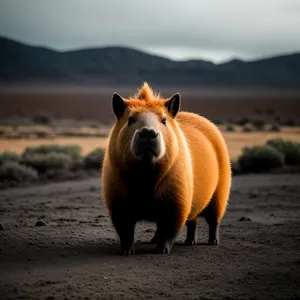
(164, 121)
(131, 120)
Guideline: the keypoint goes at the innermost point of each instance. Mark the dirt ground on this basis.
(75, 256)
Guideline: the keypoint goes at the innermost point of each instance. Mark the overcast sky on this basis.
(216, 30)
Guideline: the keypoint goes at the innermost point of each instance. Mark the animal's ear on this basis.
(118, 105)
(173, 105)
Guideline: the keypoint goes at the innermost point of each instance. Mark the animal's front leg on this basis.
(154, 240)
(124, 224)
(166, 237)
(125, 231)
(168, 227)
(172, 217)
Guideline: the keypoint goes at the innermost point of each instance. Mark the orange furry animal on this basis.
(164, 166)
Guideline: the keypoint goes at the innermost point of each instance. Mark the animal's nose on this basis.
(147, 133)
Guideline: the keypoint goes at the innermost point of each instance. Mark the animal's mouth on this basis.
(145, 149)
(147, 152)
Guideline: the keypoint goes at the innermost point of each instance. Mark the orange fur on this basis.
(195, 172)
(146, 93)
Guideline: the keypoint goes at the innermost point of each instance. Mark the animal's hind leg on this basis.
(124, 224)
(213, 219)
(191, 238)
(214, 238)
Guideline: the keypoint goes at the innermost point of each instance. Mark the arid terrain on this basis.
(57, 240)
(69, 73)
(75, 256)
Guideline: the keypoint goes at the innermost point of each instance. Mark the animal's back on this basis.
(211, 164)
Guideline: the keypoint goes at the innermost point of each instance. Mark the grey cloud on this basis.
(232, 27)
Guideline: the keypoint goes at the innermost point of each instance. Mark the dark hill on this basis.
(120, 65)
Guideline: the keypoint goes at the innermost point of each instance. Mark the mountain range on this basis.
(126, 66)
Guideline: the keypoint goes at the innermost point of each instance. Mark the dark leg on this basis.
(191, 238)
(165, 244)
(125, 230)
(213, 233)
(211, 219)
(154, 240)
(166, 237)
(169, 221)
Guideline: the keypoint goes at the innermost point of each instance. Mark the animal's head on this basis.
(145, 127)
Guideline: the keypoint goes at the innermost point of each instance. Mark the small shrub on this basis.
(259, 159)
(258, 124)
(100, 134)
(42, 134)
(42, 118)
(94, 159)
(229, 128)
(75, 134)
(217, 122)
(13, 171)
(242, 121)
(24, 135)
(289, 149)
(81, 134)
(291, 122)
(274, 128)
(48, 161)
(288, 122)
(77, 164)
(235, 168)
(277, 119)
(68, 133)
(248, 128)
(73, 151)
(13, 135)
(9, 156)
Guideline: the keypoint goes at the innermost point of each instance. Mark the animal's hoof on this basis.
(190, 242)
(163, 249)
(127, 251)
(213, 242)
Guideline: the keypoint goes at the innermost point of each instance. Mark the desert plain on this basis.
(75, 254)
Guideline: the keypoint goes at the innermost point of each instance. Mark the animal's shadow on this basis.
(87, 250)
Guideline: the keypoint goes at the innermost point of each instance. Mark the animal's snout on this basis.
(146, 143)
(147, 133)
